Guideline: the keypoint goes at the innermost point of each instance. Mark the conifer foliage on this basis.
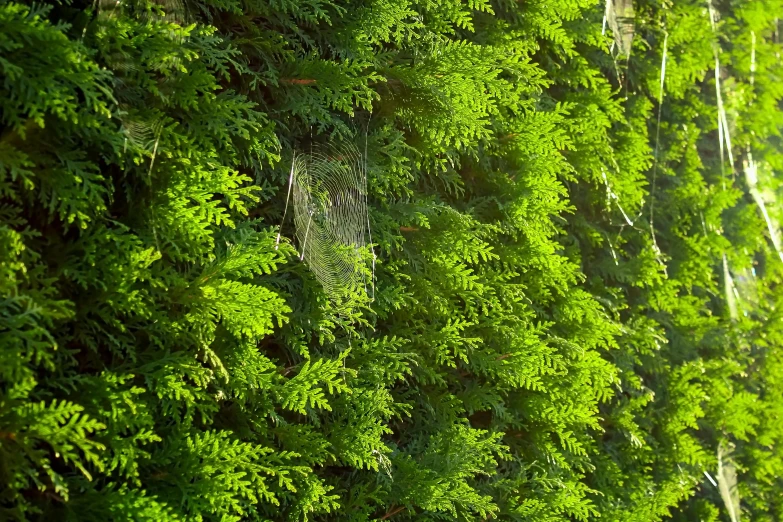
(577, 303)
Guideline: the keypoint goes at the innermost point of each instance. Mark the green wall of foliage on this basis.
(550, 338)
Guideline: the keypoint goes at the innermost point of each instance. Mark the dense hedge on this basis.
(577, 308)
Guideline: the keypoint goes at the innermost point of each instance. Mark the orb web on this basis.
(328, 191)
(619, 16)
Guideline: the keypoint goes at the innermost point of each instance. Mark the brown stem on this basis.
(408, 229)
(53, 496)
(392, 512)
(298, 81)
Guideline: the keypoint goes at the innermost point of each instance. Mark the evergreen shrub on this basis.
(577, 306)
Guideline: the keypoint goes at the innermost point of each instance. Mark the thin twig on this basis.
(392, 512)
(298, 81)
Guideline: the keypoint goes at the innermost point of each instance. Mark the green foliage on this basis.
(551, 337)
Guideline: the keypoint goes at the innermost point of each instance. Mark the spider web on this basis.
(619, 16)
(328, 188)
